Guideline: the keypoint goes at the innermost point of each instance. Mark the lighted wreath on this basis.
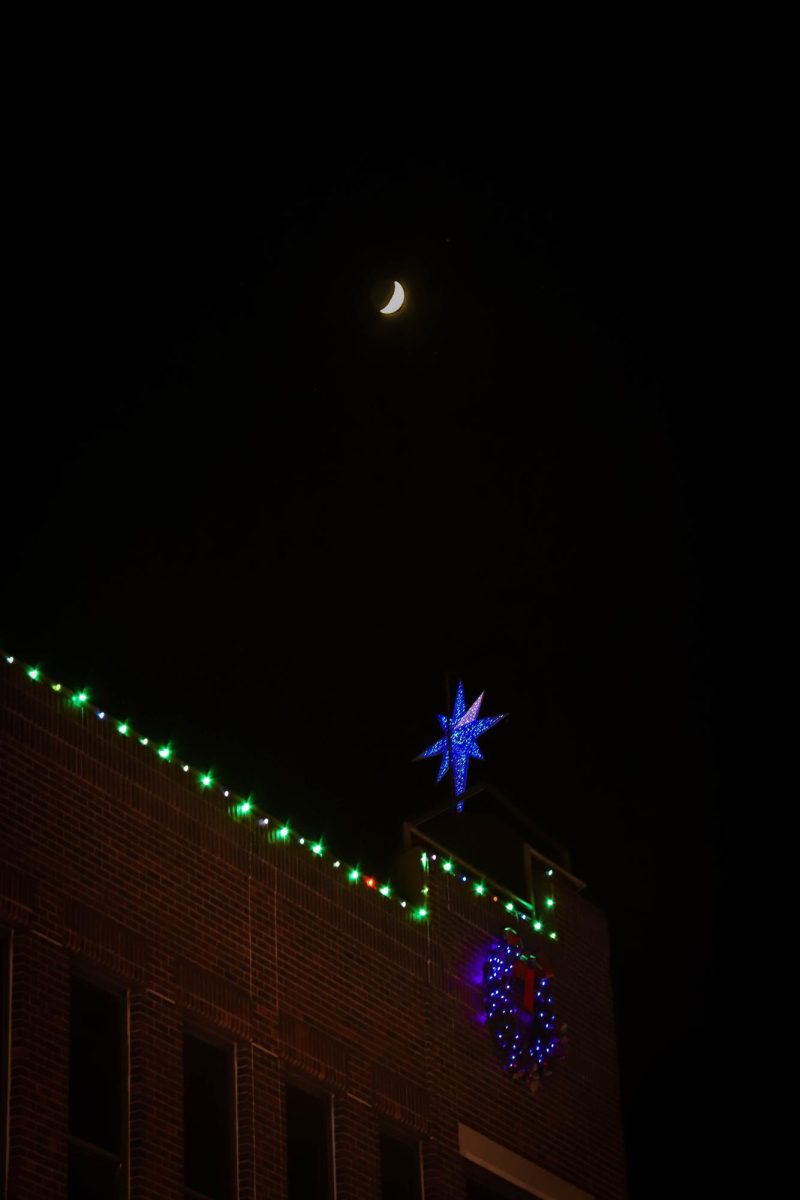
(519, 1011)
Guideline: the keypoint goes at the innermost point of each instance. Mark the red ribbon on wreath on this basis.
(523, 970)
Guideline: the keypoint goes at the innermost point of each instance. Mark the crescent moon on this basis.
(396, 302)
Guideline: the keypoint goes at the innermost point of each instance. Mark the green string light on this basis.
(165, 753)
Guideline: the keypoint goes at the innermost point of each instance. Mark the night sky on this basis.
(258, 518)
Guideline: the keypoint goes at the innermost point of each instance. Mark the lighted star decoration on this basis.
(460, 741)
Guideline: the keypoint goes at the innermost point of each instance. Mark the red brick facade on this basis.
(113, 859)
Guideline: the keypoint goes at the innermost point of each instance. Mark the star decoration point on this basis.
(460, 741)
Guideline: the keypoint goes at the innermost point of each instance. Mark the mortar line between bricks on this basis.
(46, 938)
(160, 995)
(265, 1050)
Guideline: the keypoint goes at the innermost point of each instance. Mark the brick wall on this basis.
(110, 857)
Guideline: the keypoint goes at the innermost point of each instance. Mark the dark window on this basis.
(5, 1034)
(207, 1119)
(91, 1176)
(400, 1175)
(308, 1145)
(483, 1185)
(96, 1071)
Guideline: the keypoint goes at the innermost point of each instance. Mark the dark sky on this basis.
(258, 518)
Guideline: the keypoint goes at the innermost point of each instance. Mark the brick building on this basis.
(199, 1002)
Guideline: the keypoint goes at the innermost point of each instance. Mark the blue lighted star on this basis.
(460, 741)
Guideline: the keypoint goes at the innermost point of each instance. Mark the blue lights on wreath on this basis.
(519, 1011)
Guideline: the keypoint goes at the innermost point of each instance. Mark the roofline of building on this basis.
(534, 831)
(409, 828)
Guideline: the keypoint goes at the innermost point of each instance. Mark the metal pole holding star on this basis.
(460, 741)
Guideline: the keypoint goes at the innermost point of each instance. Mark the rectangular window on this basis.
(308, 1145)
(495, 1189)
(483, 1185)
(207, 1120)
(96, 1106)
(400, 1168)
(5, 1050)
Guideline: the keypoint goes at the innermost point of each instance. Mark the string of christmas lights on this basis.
(515, 907)
(240, 808)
